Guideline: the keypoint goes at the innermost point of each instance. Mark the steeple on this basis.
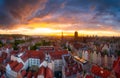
(62, 36)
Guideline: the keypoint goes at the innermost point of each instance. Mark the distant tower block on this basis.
(76, 35)
(62, 36)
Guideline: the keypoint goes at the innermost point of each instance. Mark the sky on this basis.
(51, 17)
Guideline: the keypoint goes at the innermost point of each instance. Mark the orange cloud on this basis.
(51, 25)
(51, 29)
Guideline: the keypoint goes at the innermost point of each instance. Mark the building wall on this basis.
(63, 72)
(40, 76)
(13, 58)
(51, 66)
(58, 65)
(33, 61)
(105, 48)
(25, 65)
(11, 74)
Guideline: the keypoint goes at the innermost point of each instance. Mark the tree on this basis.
(15, 47)
(38, 44)
(18, 42)
(69, 49)
(33, 47)
(1, 44)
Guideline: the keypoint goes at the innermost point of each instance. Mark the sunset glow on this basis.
(54, 32)
(44, 17)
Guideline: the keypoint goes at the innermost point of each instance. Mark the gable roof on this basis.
(58, 54)
(41, 70)
(97, 70)
(116, 67)
(49, 73)
(15, 66)
(18, 67)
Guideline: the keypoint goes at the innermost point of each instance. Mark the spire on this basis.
(62, 36)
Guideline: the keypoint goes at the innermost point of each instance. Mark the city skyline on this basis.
(49, 17)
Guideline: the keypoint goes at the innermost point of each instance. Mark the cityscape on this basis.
(59, 39)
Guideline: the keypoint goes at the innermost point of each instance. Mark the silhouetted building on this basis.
(76, 35)
(62, 36)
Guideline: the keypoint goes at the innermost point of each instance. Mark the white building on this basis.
(13, 68)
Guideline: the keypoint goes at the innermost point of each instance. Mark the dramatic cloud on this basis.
(61, 14)
(18, 11)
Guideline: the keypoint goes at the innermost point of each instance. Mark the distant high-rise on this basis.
(76, 34)
(62, 36)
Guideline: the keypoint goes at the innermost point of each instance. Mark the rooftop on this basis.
(99, 71)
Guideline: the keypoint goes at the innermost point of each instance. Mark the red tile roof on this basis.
(37, 54)
(41, 71)
(41, 55)
(49, 73)
(10, 62)
(58, 54)
(13, 64)
(14, 53)
(18, 67)
(8, 46)
(33, 54)
(89, 76)
(67, 72)
(25, 57)
(46, 48)
(35, 75)
(95, 69)
(1, 60)
(100, 71)
(29, 75)
(72, 66)
(23, 73)
(116, 67)
(23, 48)
(4, 55)
(105, 73)
(77, 46)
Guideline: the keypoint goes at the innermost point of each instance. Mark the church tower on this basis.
(76, 35)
